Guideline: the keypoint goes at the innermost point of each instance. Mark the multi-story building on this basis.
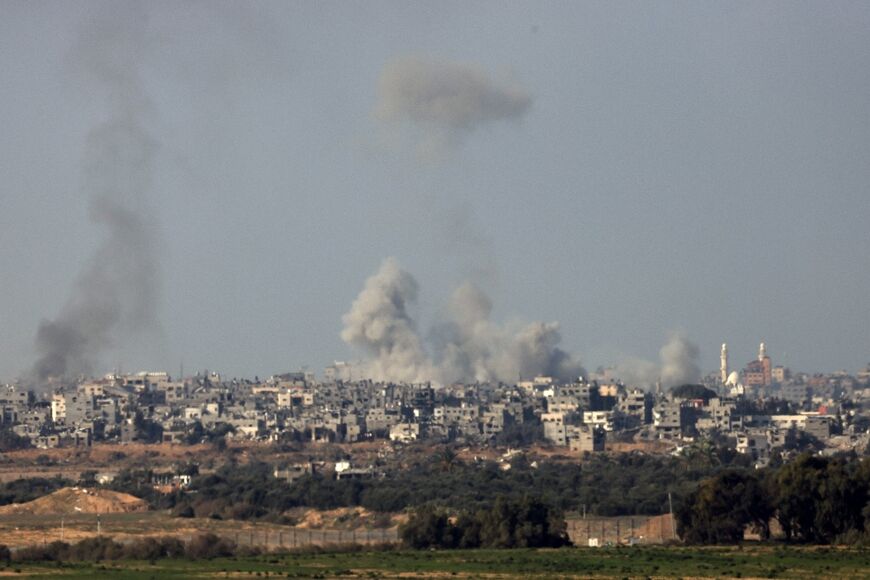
(758, 373)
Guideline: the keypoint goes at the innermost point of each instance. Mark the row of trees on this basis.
(814, 499)
(24, 490)
(200, 547)
(620, 485)
(526, 523)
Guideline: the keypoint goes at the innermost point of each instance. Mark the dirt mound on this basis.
(344, 519)
(73, 500)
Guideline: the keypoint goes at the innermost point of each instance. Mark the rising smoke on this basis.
(465, 347)
(380, 325)
(445, 101)
(679, 361)
(678, 365)
(118, 289)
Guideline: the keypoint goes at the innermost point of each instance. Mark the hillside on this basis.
(72, 500)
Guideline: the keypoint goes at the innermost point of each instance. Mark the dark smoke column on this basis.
(117, 290)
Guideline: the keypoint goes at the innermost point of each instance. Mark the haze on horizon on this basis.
(628, 171)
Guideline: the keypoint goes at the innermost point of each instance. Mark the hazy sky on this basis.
(627, 169)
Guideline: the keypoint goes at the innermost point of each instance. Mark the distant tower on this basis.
(762, 352)
(723, 363)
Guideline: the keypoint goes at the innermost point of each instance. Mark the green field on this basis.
(635, 562)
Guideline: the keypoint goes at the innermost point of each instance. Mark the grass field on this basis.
(635, 562)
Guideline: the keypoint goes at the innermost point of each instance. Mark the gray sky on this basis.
(626, 169)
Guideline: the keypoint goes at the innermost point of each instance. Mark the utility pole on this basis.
(671, 509)
(61, 529)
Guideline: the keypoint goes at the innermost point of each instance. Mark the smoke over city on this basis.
(379, 324)
(679, 359)
(118, 288)
(466, 346)
(446, 100)
(678, 365)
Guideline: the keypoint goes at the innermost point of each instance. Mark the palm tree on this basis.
(448, 459)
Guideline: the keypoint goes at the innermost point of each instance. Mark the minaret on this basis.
(723, 363)
(765, 364)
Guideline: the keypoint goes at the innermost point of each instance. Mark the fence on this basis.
(627, 530)
(272, 538)
(299, 537)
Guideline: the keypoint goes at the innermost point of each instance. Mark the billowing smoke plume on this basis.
(446, 100)
(470, 347)
(379, 324)
(679, 361)
(638, 372)
(118, 289)
(466, 347)
(678, 365)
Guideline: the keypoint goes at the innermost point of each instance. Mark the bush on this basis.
(185, 512)
(53, 552)
(509, 524)
(429, 528)
(96, 549)
(146, 549)
(10, 441)
(208, 546)
(24, 490)
(103, 548)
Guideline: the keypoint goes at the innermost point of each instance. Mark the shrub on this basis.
(96, 549)
(185, 512)
(208, 546)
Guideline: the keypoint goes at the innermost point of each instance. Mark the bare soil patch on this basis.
(72, 500)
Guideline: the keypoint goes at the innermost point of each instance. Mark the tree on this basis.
(147, 431)
(721, 508)
(528, 523)
(818, 499)
(10, 441)
(429, 528)
(448, 459)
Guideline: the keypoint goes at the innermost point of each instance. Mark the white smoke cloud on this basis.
(678, 365)
(444, 100)
(467, 346)
(379, 324)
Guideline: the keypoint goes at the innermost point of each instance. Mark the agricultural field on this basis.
(634, 562)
